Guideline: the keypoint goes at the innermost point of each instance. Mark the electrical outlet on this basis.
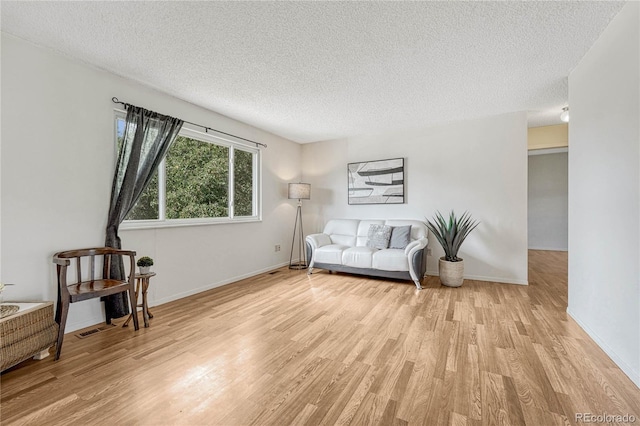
(428, 252)
(277, 247)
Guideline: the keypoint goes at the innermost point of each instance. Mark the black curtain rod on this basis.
(206, 129)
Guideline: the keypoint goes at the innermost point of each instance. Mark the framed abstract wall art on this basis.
(376, 182)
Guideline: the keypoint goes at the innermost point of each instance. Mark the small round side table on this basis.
(142, 283)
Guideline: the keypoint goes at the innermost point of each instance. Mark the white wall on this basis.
(548, 201)
(57, 168)
(480, 166)
(604, 192)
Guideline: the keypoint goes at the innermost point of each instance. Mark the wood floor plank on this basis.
(286, 348)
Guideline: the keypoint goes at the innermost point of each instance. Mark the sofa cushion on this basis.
(358, 257)
(400, 237)
(378, 237)
(342, 231)
(390, 260)
(331, 253)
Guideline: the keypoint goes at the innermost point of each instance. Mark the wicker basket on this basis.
(451, 273)
(23, 336)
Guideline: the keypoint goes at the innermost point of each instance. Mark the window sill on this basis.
(175, 223)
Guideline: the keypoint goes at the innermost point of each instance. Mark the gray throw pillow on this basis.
(400, 237)
(378, 236)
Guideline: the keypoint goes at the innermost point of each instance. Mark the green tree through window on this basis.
(197, 179)
(194, 181)
(147, 207)
(243, 188)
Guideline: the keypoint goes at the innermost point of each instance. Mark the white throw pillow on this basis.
(378, 236)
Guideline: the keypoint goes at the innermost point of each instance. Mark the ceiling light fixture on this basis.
(564, 115)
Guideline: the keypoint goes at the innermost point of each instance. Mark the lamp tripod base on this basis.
(298, 265)
(298, 234)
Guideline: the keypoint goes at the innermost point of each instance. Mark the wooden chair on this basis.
(85, 260)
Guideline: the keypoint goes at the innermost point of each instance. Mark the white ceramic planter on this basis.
(144, 269)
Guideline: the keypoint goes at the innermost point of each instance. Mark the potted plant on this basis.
(144, 263)
(450, 234)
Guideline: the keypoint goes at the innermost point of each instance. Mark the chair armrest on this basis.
(95, 251)
(416, 245)
(61, 262)
(118, 252)
(126, 252)
(318, 240)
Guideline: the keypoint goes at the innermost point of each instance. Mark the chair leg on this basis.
(133, 303)
(58, 307)
(61, 316)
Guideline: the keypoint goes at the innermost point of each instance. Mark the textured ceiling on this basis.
(313, 71)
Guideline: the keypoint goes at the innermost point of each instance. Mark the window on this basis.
(202, 179)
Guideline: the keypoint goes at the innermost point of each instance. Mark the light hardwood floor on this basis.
(284, 348)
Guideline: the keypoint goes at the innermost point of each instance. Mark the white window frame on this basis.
(193, 133)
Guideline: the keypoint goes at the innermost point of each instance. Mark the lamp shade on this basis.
(564, 116)
(300, 191)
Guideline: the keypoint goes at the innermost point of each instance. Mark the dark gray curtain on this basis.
(147, 137)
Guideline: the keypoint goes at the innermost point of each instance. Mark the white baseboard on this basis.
(87, 322)
(489, 279)
(626, 368)
(548, 248)
(99, 320)
(214, 285)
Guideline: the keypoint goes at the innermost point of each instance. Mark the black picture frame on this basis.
(376, 182)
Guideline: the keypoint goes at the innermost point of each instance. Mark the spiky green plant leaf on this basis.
(452, 233)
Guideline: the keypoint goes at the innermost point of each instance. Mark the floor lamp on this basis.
(299, 191)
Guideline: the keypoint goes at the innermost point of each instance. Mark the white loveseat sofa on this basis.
(342, 247)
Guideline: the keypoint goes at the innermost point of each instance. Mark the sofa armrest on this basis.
(314, 242)
(318, 240)
(413, 246)
(411, 250)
